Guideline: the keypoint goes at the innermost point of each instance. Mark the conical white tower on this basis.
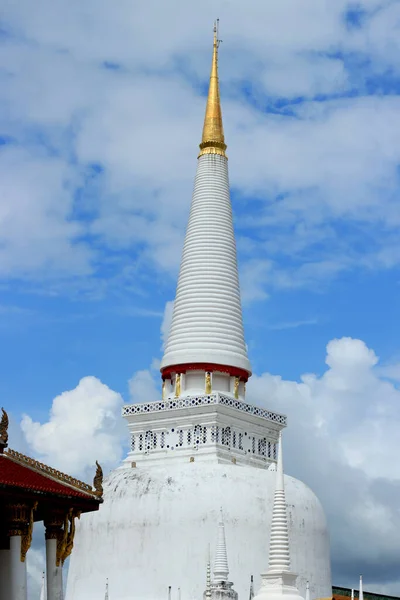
(206, 349)
(279, 581)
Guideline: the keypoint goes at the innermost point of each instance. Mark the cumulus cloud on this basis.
(143, 386)
(84, 426)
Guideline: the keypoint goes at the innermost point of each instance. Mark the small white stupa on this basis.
(220, 588)
(361, 593)
(279, 581)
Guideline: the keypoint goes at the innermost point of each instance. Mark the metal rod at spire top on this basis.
(217, 41)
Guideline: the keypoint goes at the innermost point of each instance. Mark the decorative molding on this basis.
(195, 401)
(189, 438)
(69, 541)
(18, 518)
(62, 539)
(46, 470)
(53, 523)
(27, 535)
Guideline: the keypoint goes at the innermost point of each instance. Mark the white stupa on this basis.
(220, 588)
(201, 446)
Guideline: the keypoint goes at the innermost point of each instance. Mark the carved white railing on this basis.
(194, 401)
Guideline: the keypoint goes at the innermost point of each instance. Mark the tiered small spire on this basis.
(361, 593)
(279, 581)
(221, 569)
(208, 581)
(106, 593)
(219, 588)
(279, 556)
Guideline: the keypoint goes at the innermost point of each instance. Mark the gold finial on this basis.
(4, 429)
(98, 480)
(213, 141)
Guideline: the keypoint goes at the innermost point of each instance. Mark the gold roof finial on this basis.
(213, 141)
(3, 430)
(98, 480)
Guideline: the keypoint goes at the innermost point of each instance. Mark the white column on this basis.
(53, 573)
(18, 585)
(5, 592)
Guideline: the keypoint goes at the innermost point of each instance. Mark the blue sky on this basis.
(101, 114)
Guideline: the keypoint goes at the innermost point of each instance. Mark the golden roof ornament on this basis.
(4, 429)
(213, 141)
(98, 480)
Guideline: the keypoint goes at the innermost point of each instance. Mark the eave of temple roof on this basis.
(21, 473)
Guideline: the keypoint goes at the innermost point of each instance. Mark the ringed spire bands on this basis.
(213, 141)
(207, 322)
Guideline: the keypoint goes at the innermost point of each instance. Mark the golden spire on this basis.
(212, 141)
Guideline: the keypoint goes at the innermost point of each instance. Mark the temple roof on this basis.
(29, 475)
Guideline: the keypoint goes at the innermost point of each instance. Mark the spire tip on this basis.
(213, 141)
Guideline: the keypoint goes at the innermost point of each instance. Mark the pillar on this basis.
(18, 583)
(53, 572)
(5, 592)
(20, 525)
(56, 524)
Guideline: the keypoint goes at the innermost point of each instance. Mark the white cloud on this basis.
(143, 386)
(84, 426)
(140, 120)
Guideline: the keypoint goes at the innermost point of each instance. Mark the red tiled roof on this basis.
(17, 475)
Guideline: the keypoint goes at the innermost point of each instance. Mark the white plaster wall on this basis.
(221, 381)
(195, 381)
(154, 527)
(207, 324)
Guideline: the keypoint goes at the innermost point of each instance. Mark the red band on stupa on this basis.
(212, 367)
